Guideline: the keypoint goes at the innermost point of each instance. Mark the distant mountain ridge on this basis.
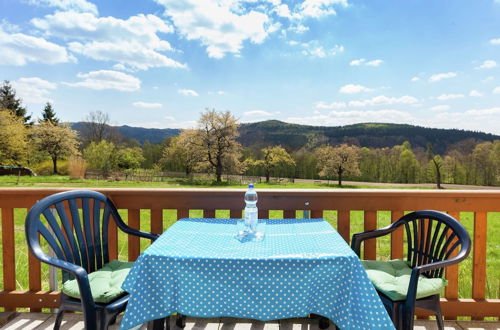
(372, 135)
(296, 136)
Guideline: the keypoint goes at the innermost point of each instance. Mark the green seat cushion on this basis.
(393, 277)
(105, 283)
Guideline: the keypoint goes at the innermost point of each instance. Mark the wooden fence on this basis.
(209, 200)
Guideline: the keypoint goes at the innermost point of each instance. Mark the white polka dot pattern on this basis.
(303, 266)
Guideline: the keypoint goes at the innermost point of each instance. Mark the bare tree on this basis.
(96, 128)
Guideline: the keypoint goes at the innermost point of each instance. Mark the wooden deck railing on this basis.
(209, 200)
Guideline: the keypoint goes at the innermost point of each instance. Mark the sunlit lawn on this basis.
(169, 217)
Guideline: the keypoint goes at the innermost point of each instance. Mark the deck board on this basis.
(45, 321)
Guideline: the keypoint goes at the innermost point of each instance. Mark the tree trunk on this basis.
(54, 165)
(339, 172)
(267, 176)
(438, 174)
(218, 172)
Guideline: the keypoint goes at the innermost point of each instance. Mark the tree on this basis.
(216, 138)
(274, 157)
(185, 149)
(130, 158)
(13, 139)
(96, 128)
(9, 101)
(437, 162)
(407, 165)
(101, 156)
(484, 166)
(49, 115)
(57, 140)
(338, 161)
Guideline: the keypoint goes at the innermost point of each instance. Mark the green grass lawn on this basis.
(64, 181)
(169, 217)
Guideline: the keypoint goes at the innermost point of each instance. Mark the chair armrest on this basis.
(139, 233)
(358, 238)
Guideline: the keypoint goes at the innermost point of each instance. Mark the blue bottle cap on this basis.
(250, 185)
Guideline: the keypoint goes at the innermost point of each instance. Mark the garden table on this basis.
(303, 266)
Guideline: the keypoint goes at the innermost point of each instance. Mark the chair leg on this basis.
(180, 321)
(59, 316)
(439, 317)
(407, 318)
(324, 323)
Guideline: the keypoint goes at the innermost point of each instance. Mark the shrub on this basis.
(77, 167)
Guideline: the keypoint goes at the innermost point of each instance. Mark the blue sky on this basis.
(160, 63)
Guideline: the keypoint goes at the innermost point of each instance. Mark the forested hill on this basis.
(372, 135)
(294, 136)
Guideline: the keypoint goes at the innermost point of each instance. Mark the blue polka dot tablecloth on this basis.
(303, 266)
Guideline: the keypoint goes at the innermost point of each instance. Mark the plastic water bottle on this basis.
(251, 212)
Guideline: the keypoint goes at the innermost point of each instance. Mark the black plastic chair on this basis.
(80, 247)
(434, 240)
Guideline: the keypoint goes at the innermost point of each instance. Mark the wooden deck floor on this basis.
(45, 321)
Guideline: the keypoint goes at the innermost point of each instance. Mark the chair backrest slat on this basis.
(87, 228)
(61, 211)
(56, 229)
(98, 238)
(105, 226)
(77, 225)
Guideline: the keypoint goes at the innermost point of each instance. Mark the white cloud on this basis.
(355, 116)
(333, 105)
(322, 52)
(487, 79)
(18, 49)
(414, 79)
(374, 101)
(483, 112)
(319, 8)
(147, 105)
(383, 100)
(442, 107)
(362, 61)
(357, 62)
(34, 89)
(495, 41)
(298, 28)
(283, 10)
(107, 79)
(496, 90)
(187, 92)
(488, 64)
(374, 62)
(441, 76)
(475, 93)
(218, 93)
(74, 5)
(354, 89)
(132, 43)
(445, 97)
(217, 25)
(259, 113)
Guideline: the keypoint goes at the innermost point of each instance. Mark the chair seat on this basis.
(105, 283)
(393, 277)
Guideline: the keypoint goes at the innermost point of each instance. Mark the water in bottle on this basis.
(251, 212)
